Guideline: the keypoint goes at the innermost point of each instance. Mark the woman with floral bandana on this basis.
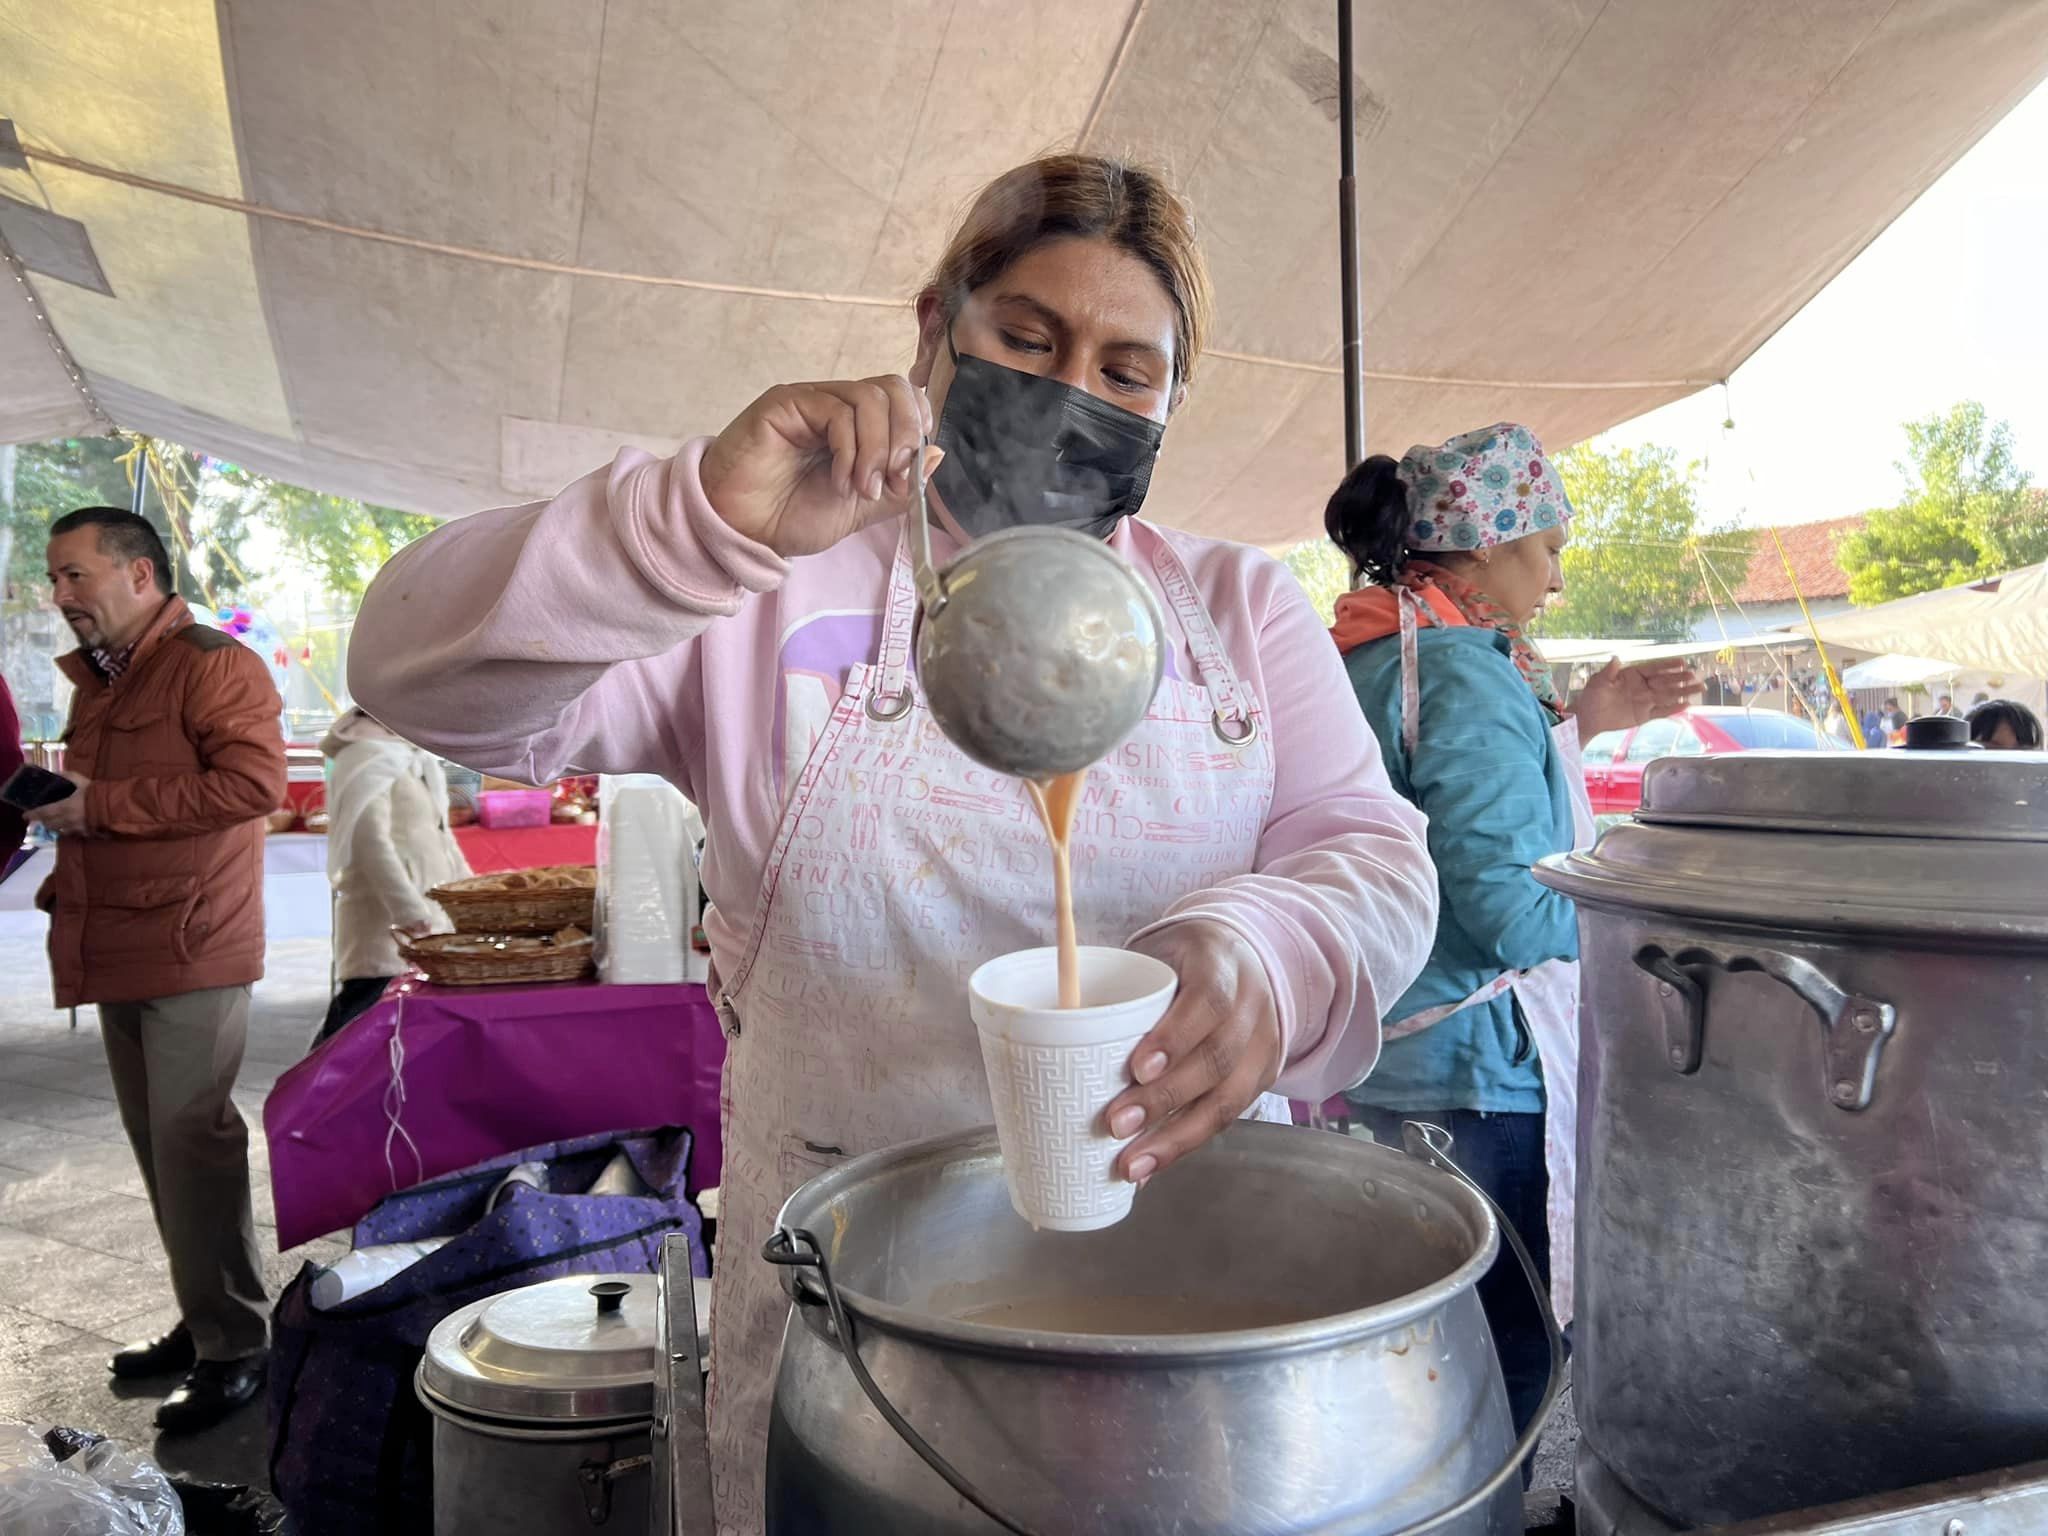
(1454, 550)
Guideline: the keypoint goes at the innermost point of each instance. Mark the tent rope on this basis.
(256, 210)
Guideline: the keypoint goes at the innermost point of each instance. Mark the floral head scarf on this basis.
(1481, 488)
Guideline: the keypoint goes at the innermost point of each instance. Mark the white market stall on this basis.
(1998, 626)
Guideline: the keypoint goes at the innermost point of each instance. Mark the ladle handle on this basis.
(782, 1248)
(931, 591)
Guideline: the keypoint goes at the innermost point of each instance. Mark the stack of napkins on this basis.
(647, 896)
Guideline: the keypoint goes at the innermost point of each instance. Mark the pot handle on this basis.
(1431, 1144)
(796, 1248)
(1854, 1027)
(681, 1498)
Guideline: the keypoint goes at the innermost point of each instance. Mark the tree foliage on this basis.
(49, 480)
(1322, 570)
(1967, 512)
(208, 519)
(1633, 567)
(340, 540)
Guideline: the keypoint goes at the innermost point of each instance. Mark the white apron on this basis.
(1549, 994)
(899, 866)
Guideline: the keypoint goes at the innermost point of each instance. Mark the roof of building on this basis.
(1810, 547)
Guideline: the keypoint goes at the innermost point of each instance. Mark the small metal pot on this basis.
(543, 1400)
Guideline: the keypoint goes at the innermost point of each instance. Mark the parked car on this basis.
(1615, 759)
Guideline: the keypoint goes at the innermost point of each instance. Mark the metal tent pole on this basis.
(1347, 236)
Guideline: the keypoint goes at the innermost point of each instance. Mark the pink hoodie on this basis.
(625, 627)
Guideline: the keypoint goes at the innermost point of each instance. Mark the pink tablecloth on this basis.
(486, 1070)
(490, 849)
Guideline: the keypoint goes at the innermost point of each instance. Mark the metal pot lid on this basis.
(578, 1348)
(1969, 795)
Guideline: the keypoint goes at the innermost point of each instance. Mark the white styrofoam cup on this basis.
(1052, 1072)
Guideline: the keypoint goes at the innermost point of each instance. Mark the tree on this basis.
(1633, 567)
(49, 480)
(1967, 512)
(1322, 570)
(207, 512)
(339, 540)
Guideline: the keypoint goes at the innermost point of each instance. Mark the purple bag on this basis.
(350, 1443)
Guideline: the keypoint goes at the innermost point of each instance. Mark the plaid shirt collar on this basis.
(113, 663)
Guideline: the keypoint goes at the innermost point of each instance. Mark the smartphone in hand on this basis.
(30, 788)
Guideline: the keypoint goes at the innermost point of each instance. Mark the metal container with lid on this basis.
(1812, 1217)
(543, 1401)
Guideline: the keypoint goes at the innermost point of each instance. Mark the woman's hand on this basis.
(1617, 697)
(807, 464)
(1208, 1060)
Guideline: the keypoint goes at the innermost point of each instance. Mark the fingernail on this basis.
(1149, 1067)
(875, 486)
(1142, 1169)
(1126, 1121)
(901, 463)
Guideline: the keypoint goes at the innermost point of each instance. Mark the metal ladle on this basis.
(1039, 649)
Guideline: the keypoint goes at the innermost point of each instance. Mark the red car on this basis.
(1615, 759)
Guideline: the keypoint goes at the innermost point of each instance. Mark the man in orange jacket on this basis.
(156, 915)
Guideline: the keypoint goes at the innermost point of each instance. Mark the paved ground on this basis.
(80, 1266)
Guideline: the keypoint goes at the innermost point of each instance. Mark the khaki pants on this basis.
(174, 1060)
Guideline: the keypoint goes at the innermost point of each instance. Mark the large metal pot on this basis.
(1374, 1400)
(1813, 1124)
(542, 1401)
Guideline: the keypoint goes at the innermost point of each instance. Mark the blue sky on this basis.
(1947, 304)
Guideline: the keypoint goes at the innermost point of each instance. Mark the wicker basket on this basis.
(479, 960)
(521, 900)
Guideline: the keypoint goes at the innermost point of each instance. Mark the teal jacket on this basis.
(1492, 782)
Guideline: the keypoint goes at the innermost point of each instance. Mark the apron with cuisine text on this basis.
(1548, 993)
(899, 866)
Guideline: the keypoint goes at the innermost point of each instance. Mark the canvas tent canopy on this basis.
(1559, 650)
(1998, 626)
(449, 256)
(1896, 672)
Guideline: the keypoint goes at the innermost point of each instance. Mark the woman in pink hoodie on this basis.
(739, 619)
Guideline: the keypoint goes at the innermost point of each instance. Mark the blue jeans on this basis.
(1504, 1155)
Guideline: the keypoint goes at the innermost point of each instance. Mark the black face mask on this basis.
(1026, 451)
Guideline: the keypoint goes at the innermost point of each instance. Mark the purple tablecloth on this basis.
(485, 1071)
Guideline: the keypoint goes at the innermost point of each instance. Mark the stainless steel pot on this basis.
(1813, 1102)
(542, 1401)
(1380, 1405)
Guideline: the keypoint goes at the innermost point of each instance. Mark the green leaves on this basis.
(1967, 512)
(228, 517)
(339, 540)
(1323, 572)
(1638, 563)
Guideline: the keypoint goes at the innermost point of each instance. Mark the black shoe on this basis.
(211, 1391)
(159, 1357)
